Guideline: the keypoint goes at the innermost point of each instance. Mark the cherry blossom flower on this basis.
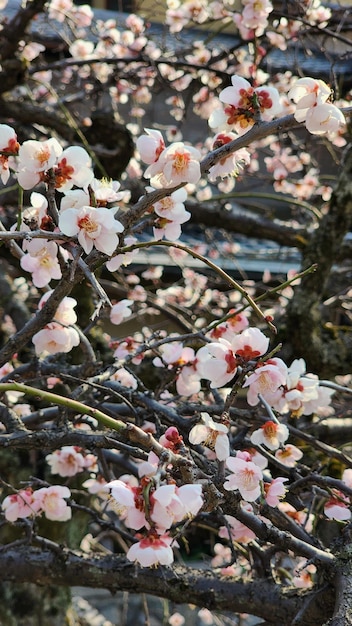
(51, 501)
(152, 550)
(171, 214)
(271, 435)
(288, 455)
(41, 260)
(236, 530)
(303, 575)
(64, 313)
(123, 259)
(55, 338)
(212, 435)
(73, 168)
(232, 164)
(325, 118)
(266, 380)
(106, 191)
(347, 477)
(243, 104)
(20, 505)
(176, 619)
(312, 107)
(275, 491)
(31, 50)
(216, 361)
(337, 506)
(250, 344)
(176, 164)
(171, 439)
(171, 504)
(127, 502)
(125, 378)
(96, 486)
(8, 146)
(120, 311)
(93, 227)
(174, 355)
(58, 9)
(307, 93)
(246, 477)
(34, 159)
(150, 146)
(35, 215)
(68, 461)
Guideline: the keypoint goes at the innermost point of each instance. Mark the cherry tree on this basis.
(148, 421)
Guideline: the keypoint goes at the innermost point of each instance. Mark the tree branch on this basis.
(200, 587)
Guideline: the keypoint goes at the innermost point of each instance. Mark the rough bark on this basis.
(305, 324)
(263, 598)
(342, 615)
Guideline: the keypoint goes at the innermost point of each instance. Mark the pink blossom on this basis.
(96, 486)
(271, 435)
(41, 260)
(150, 146)
(176, 619)
(250, 344)
(93, 227)
(325, 118)
(236, 530)
(64, 313)
(58, 9)
(275, 491)
(127, 503)
(152, 550)
(31, 51)
(245, 476)
(68, 461)
(188, 381)
(266, 380)
(106, 191)
(176, 164)
(34, 159)
(51, 501)
(303, 578)
(125, 378)
(171, 504)
(73, 168)
(216, 361)
(54, 338)
(120, 311)
(20, 505)
(82, 15)
(288, 455)
(243, 104)
(171, 214)
(122, 259)
(232, 164)
(212, 435)
(338, 506)
(8, 146)
(347, 477)
(307, 93)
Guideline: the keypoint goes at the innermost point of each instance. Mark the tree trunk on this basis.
(323, 351)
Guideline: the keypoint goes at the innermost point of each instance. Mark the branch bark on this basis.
(201, 587)
(322, 352)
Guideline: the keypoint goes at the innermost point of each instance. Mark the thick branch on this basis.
(244, 224)
(200, 587)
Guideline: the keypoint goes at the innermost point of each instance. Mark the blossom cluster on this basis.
(50, 501)
(154, 507)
